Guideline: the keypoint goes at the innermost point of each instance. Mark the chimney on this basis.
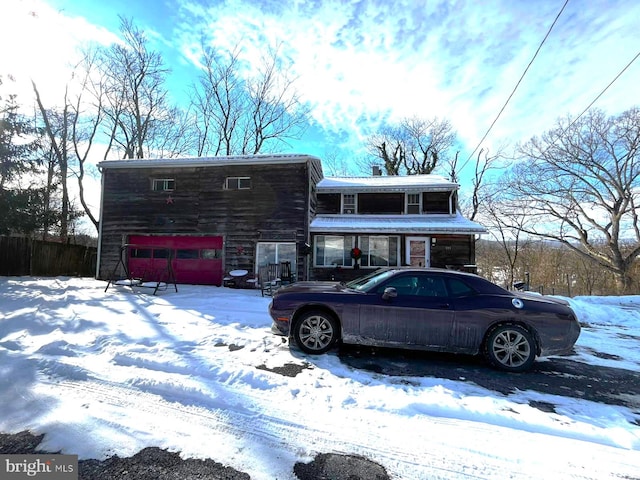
(376, 171)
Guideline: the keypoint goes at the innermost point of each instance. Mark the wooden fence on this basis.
(23, 256)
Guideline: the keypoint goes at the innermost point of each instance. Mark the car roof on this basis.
(431, 269)
(481, 283)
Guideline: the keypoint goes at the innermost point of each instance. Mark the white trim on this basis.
(425, 224)
(239, 180)
(427, 249)
(164, 183)
(355, 204)
(406, 203)
(99, 249)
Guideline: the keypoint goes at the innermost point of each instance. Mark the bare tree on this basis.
(88, 115)
(506, 224)
(481, 190)
(580, 183)
(57, 129)
(238, 112)
(415, 146)
(137, 114)
(333, 163)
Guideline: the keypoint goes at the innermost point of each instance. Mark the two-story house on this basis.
(369, 222)
(208, 216)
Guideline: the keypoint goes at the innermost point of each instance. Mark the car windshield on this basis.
(369, 281)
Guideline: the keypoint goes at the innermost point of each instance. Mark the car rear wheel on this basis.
(316, 332)
(511, 348)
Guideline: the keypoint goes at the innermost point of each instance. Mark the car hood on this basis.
(316, 287)
(541, 298)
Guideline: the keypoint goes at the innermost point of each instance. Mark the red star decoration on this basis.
(169, 200)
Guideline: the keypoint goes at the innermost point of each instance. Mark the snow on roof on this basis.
(419, 224)
(208, 161)
(391, 182)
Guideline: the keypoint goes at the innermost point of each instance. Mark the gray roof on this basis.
(386, 183)
(208, 161)
(396, 224)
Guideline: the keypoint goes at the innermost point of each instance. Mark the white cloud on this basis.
(361, 60)
(42, 44)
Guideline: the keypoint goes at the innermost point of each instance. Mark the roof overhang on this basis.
(208, 161)
(391, 183)
(396, 224)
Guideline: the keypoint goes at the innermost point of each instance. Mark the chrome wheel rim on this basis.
(511, 348)
(316, 332)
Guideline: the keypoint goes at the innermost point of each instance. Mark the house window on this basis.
(333, 251)
(413, 203)
(349, 203)
(379, 251)
(276, 252)
(377, 203)
(163, 184)
(237, 183)
(439, 202)
(328, 203)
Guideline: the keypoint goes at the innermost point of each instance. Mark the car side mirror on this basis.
(389, 292)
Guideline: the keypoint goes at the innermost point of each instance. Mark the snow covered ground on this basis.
(106, 373)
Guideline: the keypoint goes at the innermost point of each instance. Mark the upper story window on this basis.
(413, 203)
(439, 202)
(328, 203)
(381, 203)
(349, 203)
(237, 183)
(163, 185)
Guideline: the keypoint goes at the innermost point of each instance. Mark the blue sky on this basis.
(361, 63)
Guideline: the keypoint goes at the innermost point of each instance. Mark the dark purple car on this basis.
(426, 309)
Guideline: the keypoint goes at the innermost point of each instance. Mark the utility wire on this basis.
(564, 130)
(517, 84)
(602, 92)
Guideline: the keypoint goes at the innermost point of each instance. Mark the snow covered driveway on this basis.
(199, 372)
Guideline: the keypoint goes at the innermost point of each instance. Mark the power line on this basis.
(602, 92)
(518, 84)
(564, 130)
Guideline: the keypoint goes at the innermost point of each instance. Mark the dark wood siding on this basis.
(370, 203)
(453, 251)
(275, 208)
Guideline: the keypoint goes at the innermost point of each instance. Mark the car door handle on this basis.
(444, 306)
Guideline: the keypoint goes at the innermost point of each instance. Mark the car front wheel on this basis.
(511, 348)
(316, 332)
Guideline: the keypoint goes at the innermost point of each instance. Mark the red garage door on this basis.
(195, 260)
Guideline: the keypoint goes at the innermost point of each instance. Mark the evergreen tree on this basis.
(23, 210)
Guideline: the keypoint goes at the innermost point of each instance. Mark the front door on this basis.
(419, 251)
